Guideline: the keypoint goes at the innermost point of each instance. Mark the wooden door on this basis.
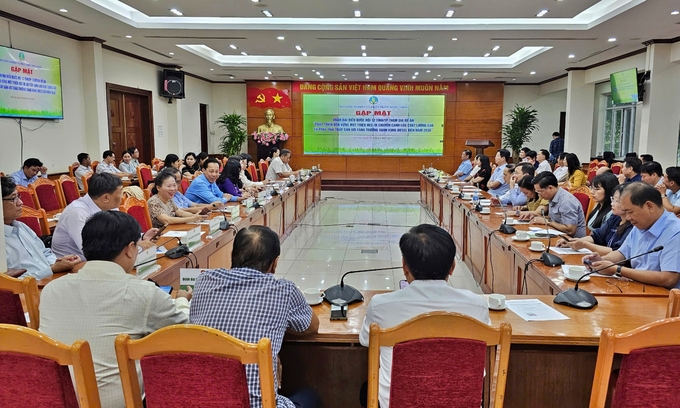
(133, 123)
(130, 121)
(117, 125)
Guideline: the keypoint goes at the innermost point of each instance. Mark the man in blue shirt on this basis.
(670, 190)
(514, 197)
(630, 172)
(465, 166)
(204, 190)
(497, 184)
(556, 146)
(653, 226)
(29, 172)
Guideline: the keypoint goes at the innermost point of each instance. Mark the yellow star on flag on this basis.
(277, 98)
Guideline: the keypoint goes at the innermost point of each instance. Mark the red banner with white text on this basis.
(384, 88)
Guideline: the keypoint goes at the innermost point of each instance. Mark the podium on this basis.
(479, 145)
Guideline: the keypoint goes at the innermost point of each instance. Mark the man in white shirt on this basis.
(279, 168)
(652, 173)
(108, 165)
(543, 163)
(83, 169)
(561, 171)
(428, 258)
(104, 300)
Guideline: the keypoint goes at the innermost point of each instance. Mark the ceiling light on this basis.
(231, 77)
(474, 79)
(356, 1)
(449, 13)
(269, 72)
(345, 79)
(281, 38)
(313, 70)
(304, 54)
(487, 54)
(430, 48)
(301, 77)
(267, 13)
(413, 77)
(532, 73)
(317, 72)
(434, 79)
(415, 73)
(366, 73)
(363, 54)
(496, 48)
(346, 75)
(438, 75)
(454, 39)
(465, 73)
(542, 13)
(389, 79)
(175, 12)
(266, 77)
(128, 36)
(233, 47)
(244, 53)
(363, 47)
(426, 55)
(612, 39)
(572, 56)
(295, 74)
(514, 79)
(212, 69)
(675, 12)
(297, 47)
(368, 77)
(321, 77)
(391, 74)
(63, 10)
(357, 13)
(428, 71)
(171, 53)
(255, 1)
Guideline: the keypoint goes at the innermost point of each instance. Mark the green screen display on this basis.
(397, 125)
(624, 86)
(30, 85)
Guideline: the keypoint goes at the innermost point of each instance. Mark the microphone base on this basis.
(224, 225)
(549, 259)
(178, 252)
(576, 298)
(345, 295)
(506, 229)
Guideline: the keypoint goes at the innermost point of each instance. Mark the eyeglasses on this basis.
(613, 200)
(14, 199)
(619, 283)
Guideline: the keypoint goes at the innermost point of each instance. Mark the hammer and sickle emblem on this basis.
(260, 98)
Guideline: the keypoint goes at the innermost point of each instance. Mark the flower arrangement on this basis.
(268, 138)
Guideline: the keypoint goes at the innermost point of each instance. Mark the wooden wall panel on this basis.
(478, 111)
(372, 164)
(328, 163)
(479, 91)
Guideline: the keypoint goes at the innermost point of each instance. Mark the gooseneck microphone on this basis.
(178, 251)
(344, 294)
(547, 258)
(505, 228)
(224, 225)
(581, 299)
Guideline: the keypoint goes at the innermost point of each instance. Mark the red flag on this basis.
(268, 98)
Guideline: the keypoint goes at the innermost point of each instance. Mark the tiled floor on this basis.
(353, 230)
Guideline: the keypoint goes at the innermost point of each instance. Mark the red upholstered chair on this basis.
(253, 172)
(592, 173)
(36, 220)
(184, 185)
(673, 303)
(30, 359)
(211, 364)
(27, 197)
(94, 165)
(69, 189)
(585, 197)
(139, 210)
(616, 168)
(593, 164)
(48, 194)
(438, 360)
(144, 175)
(72, 169)
(264, 167)
(11, 311)
(603, 163)
(648, 376)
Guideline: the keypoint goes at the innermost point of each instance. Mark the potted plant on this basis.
(234, 125)
(522, 122)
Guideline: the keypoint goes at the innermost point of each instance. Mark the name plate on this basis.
(235, 211)
(147, 262)
(187, 277)
(214, 224)
(248, 202)
(193, 236)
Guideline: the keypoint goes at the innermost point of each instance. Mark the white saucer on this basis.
(568, 277)
(536, 250)
(315, 303)
(500, 309)
(520, 240)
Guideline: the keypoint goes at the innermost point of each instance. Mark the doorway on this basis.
(130, 121)
(203, 115)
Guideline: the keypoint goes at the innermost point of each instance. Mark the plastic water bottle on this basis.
(475, 198)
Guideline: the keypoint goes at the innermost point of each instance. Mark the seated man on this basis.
(428, 258)
(630, 171)
(497, 184)
(653, 226)
(249, 303)
(652, 173)
(465, 167)
(561, 171)
(565, 211)
(513, 197)
(23, 248)
(646, 158)
(134, 152)
(203, 189)
(83, 169)
(670, 190)
(104, 300)
(542, 160)
(108, 165)
(279, 168)
(29, 172)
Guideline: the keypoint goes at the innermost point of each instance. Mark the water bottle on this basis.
(475, 198)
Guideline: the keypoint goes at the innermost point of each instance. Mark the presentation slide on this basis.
(396, 125)
(30, 85)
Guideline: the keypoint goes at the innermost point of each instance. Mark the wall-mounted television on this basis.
(30, 85)
(624, 86)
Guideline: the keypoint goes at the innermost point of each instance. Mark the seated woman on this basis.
(190, 165)
(534, 202)
(229, 182)
(484, 174)
(125, 165)
(602, 188)
(576, 177)
(172, 160)
(161, 207)
(273, 153)
(610, 236)
(184, 203)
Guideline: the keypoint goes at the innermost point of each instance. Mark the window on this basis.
(619, 128)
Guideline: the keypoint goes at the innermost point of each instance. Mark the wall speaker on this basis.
(172, 84)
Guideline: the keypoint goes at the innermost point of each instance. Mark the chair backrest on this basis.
(29, 358)
(648, 375)
(212, 368)
(11, 311)
(593, 163)
(139, 210)
(94, 165)
(183, 185)
(147, 191)
(69, 188)
(603, 163)
(585, 197)
(419, 345)
(253, 172)
(86, 180)
(144, 175)
(72, 169)
(264, 167)
(673, 304)
(592, 173)
(48, 194)
(156, 163)
(27, 196)
(36, 220)
(616, 168)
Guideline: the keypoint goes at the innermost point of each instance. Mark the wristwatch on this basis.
(618, 272)
(663, 195)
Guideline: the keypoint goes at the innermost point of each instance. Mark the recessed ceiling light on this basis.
(231, 77)
(496, 48)
(366, 73)
(391, 74)
(532, 73)
(428, 71)
(313, 70)
(346, 75)
(465, 73)
(426, 55)
(434, 79)
(454, 39)
(487, 54)
(321, 77)
(413, 77)
(295, 74)
(514, 79)
(233, 47)
(317, 72)
(368, 77)
(389, 79)
(363, 47)
(281, 38)
(269, 72)
(542, 13)
(363, 54)
(176, 12)
(128, 36)
(255, 1)
(304, 54)
(356, 1)
(301, 77)
(266, 77)
(612, 39)
(415, 73)
(474, 79)
(449, 13)
(357, 13)
(438, 75)
(63, 10)
(244, 53)
(675, 12)
(171, 53)
(572, 56)
(297, 47)
(212, 69)
(345, 79)
(267, 13)
(430, 48)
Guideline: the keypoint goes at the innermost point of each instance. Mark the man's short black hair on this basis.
(131, 150)
(556, 134)
(633, 163)
(531, 154)
(284, 152)
(246, 157)
(208, 161)
(428, 251)
(102, 183)
(82, 157)
(467, 153)
(673, 174)
(255, 247)
(527, 168)
(652, 168)
(525, 150)
(505, 153)
(563, 155)
(8, 186)
(640, 193)
(545, 153)
(107, 233)
(631, 154)
(32, 162)
(647, 158)
(108, 153)
(201, 156)
(545, 179)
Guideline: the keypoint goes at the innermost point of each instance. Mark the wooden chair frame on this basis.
(136, 202)
(263, 173)
(27, 286)
(673, 304)
(22, 189)
(54, 184)
(94, 165)
(40, 214)
(85, 178)
(661, 333)
(617, 166)
(139, 174)
(18, 339)
(63, 178)
(72, 169)
(443, 325)
(190, 338)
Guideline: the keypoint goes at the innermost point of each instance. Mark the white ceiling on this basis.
(396, 34)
